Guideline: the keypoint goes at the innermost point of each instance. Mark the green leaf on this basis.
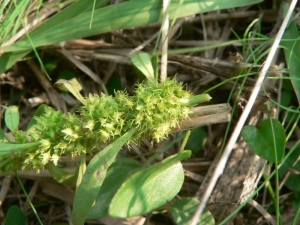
(154, 62)
(81, 169)
(60, 175)
(196, 99)
(196, 140)
(292, 51)
(262, 142)
(114, 84)
(40, 111)
(6, 148)
(93, 178)
(15, 216)
(149, 188)
(12, 118)
(117, 173)
(142, 62)
(8, 59)
(183, 210)
(2, 134)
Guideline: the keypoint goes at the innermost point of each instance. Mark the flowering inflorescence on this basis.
(154, 110)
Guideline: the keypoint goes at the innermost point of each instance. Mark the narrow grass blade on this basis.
(183, 209)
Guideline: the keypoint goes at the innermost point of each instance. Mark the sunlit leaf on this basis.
(142, 62)
(117, 173)
(93, 178)
(60, 175)
(149, 188)
(12, 118)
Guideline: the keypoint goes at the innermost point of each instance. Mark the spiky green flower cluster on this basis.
(154, 110)
(157, 108)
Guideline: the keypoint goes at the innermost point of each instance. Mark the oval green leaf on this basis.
(40, 111)
(142, 62)
(93, 178)
(149, 188)
(15, 216)
(183, 210)
(117, 173)
(12, 118)
(267, 140)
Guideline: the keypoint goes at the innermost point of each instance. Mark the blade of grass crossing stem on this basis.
(93, 178)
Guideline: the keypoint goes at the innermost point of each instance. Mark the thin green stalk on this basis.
(296, 217)
(186, 137)
(269, 187)
(81, 169)
(92, 16)
(278, 217)
(293, 128)
(27, 197)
